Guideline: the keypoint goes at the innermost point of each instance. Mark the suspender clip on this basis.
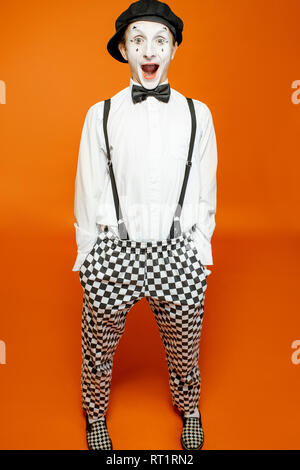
(188, 163)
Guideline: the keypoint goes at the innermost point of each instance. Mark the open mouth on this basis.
(149, 70)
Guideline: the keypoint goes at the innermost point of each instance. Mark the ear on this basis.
(122, 49)
(174, 50)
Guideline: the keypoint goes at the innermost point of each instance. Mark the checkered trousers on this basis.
(115, 275)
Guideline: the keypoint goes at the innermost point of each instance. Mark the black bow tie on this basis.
(161, 92)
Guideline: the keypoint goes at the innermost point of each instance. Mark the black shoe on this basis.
(97, 435)
(192, 436)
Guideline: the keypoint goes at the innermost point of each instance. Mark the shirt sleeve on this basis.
(89, 182)
(205, 224)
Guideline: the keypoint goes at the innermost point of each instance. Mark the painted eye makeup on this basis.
(162, 40)
(137, 40)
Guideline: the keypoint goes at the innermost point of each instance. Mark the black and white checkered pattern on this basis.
(97, 435)
(192, 436)
(118, 273)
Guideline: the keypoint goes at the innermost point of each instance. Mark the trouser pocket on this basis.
(197, 256)
(88, 260)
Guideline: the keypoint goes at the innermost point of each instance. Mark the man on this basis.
(142, 154)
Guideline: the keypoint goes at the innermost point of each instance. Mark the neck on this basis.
(160, 83)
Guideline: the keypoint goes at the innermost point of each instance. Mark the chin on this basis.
(149, 83)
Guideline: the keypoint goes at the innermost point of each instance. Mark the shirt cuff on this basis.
(85, 242)
(79, 261)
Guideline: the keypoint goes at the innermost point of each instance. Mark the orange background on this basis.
(240, 57)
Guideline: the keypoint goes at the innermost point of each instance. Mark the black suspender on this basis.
(121, 225)
(175, 228)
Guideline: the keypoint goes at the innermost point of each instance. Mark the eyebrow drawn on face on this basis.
(137, 30)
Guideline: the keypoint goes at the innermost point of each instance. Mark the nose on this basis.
(149, 52)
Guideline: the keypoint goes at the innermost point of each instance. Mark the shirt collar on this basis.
(133, 82)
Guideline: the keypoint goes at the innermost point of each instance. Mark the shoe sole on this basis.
(99, 449)
(186, 448)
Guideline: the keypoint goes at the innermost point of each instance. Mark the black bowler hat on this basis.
(148, 10)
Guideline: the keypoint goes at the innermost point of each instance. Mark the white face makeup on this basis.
(149, 51)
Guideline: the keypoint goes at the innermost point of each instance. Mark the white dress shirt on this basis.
(149, 144)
